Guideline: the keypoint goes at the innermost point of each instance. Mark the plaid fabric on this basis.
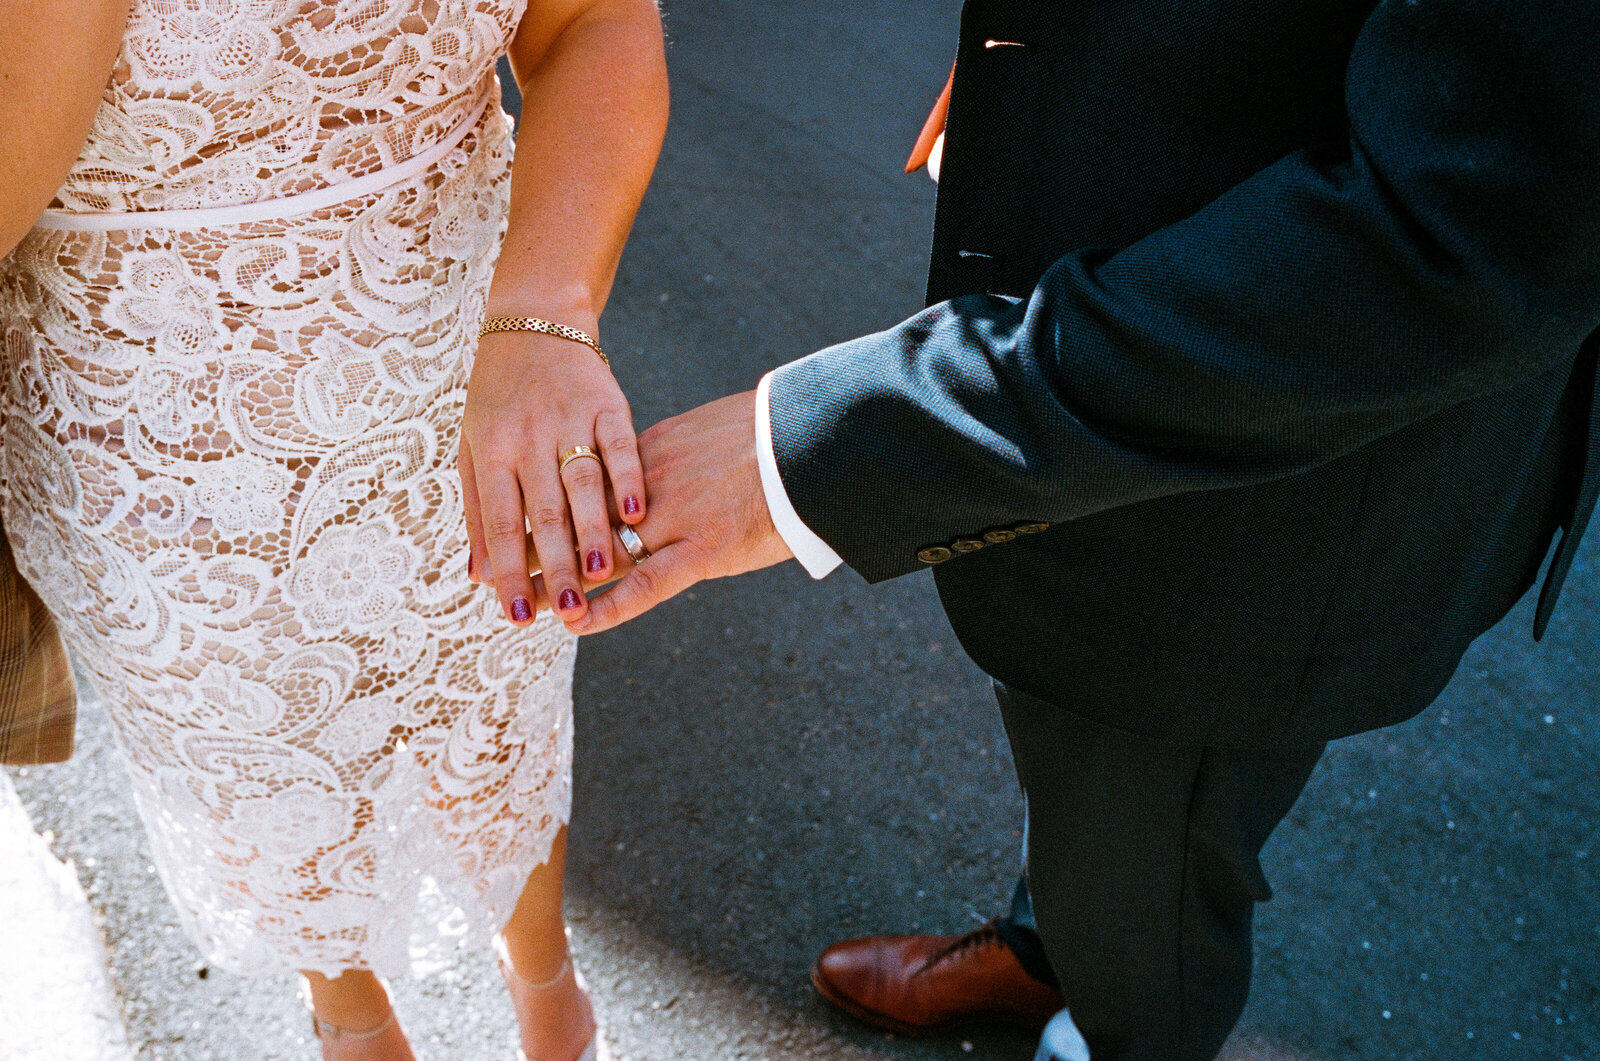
(38, 701)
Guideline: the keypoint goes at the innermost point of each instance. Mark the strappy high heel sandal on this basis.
(524, 991)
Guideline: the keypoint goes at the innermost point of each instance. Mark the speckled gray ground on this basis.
(776, 763)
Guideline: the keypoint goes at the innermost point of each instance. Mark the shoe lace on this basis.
(987, 936)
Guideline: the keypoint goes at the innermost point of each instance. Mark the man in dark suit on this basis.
(1257, 379)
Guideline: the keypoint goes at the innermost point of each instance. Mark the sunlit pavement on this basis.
(774, 763)
(56, 999)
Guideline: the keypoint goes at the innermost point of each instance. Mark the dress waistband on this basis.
(268, 209)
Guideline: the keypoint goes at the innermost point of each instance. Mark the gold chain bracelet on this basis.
(534, 324)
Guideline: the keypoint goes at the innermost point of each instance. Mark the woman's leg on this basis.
(536, 935)
(353, 1002)
(553, 1011)
(354, 1019)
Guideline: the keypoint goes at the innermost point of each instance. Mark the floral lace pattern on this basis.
(227, 464)
(224, 102)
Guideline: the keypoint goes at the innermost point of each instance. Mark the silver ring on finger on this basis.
(634, 544)
(574, 453)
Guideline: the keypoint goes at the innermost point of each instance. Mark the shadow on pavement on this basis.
(774, 763)
(778, 763)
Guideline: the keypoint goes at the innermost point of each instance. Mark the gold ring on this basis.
(633, 543)
(577, 453)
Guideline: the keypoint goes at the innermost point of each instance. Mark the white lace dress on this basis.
(235, 356)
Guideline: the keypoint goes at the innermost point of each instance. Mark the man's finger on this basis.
(665, 575)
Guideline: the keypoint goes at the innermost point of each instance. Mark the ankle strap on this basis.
(525, 982)
(504, 954)
(324, 1030)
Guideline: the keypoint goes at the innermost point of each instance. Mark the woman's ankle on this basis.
(354, 1003)
(328, 1030)
(537, 958)
(554, 1014)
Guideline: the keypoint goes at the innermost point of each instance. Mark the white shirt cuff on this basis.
(813, 553)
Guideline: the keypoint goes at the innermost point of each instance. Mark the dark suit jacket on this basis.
(1281, 313)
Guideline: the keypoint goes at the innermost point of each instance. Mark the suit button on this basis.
(999, 537)
(966, 545)
(1031, 528)
(934, 554)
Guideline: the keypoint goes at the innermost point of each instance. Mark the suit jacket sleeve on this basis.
(1449, 249)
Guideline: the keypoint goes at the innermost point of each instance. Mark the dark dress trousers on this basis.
(1257, 380)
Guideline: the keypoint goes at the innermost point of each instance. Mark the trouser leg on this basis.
(1021, 902)
(1143, 873)
(1021, 932)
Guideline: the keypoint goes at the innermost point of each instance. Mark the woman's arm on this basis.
(594, 87)
(55, 58)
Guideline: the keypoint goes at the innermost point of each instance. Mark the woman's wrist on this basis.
(576, 307)
(540, 326)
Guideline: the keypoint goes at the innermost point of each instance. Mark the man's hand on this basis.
(708, 514)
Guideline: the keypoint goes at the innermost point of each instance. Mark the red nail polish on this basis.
(597, 560)
(630, 506)
(472, 567)
(569, 599)
(520, 612)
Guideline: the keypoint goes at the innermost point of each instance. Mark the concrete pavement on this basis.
(56, 996)
(769, 764)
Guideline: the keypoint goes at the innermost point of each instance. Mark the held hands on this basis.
(531, 398)
(709, 518)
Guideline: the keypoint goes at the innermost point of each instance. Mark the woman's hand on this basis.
(594, 109)
(531, 398)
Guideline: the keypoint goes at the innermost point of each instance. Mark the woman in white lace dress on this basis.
(251, 243)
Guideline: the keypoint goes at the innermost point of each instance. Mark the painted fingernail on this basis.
(630, 506)
(569, 599)
(596, 560)
(520, 611)
(472, 567)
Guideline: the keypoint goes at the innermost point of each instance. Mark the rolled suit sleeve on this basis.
(1448, 250)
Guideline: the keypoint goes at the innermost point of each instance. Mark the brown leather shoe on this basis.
(923, 985)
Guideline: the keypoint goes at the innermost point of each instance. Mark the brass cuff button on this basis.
(934, 554)
(1032, 528)
(999, 537)
(966, 545)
